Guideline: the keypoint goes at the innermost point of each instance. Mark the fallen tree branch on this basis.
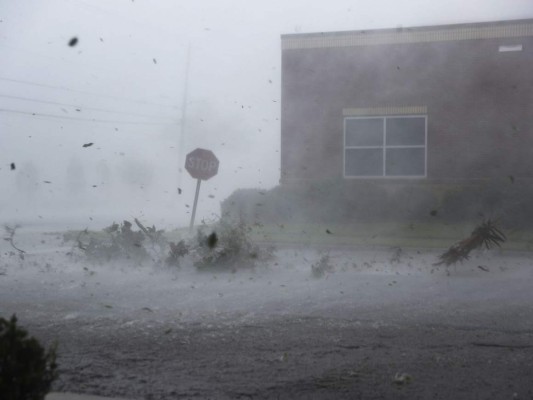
(486, 234)
(11, 231)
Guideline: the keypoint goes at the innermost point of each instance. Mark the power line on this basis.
(113, 14)
(85, 92)
(34, 114)
(76, 106)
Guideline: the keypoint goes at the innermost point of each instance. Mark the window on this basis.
(385, 146)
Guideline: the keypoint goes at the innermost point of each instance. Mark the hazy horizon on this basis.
(122, 87)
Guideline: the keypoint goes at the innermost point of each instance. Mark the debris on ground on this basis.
(485, 235)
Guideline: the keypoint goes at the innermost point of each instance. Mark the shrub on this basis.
(177, 252)
(322, 266)
(122, 242)
(228, 246)
(26, 370)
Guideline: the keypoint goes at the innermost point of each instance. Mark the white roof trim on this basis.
(415, 35)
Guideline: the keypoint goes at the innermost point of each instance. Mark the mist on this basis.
(138, 69)
(314, 268)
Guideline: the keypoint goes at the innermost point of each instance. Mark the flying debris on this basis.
(511, 178)
(179, 190)
(12, 166)
(88, 144)
(433, 213)
(212, 240)
(484, 235)
(155, 61)
(47, 182)
(73, 42)
(328, 232)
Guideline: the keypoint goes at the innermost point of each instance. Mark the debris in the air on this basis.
(483, 268)
(486, 234)
(179, 190)
(177, 251)
(11, 231)
(328, 232)
(212, 240)
(511, 178)
(155, 61)
(88, 144)
(322, 266)
(211, 196)
(402, 378)
(73, 42)
(47, 182)
(433, 213)
(12, 166)
(101, 39)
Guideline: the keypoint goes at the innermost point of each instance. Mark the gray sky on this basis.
(121, 87)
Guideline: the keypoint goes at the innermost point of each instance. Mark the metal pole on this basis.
(195, 203)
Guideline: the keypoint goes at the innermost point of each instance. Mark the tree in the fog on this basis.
(27, 179)
(137, 173)
(103, 173)
(75, 179)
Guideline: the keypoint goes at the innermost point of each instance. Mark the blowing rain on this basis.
(285, 200)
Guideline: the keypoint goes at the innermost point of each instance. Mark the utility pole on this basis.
(183, 114)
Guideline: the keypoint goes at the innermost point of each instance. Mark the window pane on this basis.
(364, 162)
(364, 132)
(406, 131)
(405, 162)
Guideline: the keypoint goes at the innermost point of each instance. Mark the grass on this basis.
(416, 235)
(420, 235)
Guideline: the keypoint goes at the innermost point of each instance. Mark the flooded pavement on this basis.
(377, 325)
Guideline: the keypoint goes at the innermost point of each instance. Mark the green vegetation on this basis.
(433, 235)
(227, 246)
(26, 369)
(223, 245)
(485, 235)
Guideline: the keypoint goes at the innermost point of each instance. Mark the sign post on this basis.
(201, 164)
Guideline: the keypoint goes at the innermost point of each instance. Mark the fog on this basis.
(100, 102)
(136, 71)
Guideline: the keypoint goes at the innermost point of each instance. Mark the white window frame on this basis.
(384, 147)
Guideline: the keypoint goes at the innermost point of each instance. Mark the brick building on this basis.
(434, 105)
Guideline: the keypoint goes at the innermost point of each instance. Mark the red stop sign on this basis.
(201, 164)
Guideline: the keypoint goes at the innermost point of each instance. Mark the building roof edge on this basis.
(436, 33)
